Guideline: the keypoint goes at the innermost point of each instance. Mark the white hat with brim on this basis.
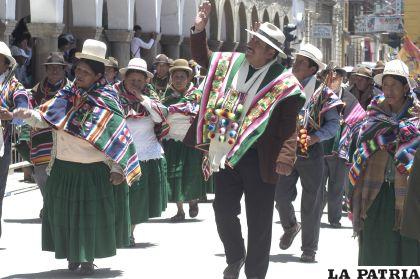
(271, 35)
(396, 68)
(93, 50)
(312, 52)
(137, 64)
(5, 50)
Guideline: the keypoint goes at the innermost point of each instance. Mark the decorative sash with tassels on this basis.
(399, 136)
(96, 116)
(217, 94)
(134, 109)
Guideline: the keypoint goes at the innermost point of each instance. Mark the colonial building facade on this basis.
(112, 21)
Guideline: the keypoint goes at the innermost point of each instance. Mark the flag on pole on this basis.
(410, 54)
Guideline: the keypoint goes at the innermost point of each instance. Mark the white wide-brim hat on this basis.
(93, 50)
(396, 68)
(312, 52)
(137, 64)
(5, 50)
(271, 35)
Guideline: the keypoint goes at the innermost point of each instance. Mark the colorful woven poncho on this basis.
(41, 140)
(399, 135)
(12, 95)
(95, 115)
(133, 108)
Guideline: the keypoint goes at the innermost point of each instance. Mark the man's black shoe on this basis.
(232, 270)
(288, 236)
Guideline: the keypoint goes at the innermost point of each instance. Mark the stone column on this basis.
(6, 28)
(214, 45)
(150, 54)
(46, 35)
(171, 45)
(185, 48)
(82, 33)
(119, 40)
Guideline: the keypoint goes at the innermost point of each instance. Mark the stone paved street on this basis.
(164, 250)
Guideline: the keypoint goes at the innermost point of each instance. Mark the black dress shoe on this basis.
(307, 257)
(232, 270)
(289, 235)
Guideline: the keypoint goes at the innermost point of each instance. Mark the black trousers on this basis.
(310, 171)
(230, 185)
(4, 171)
(335, 171)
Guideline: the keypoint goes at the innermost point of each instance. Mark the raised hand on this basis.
(202, 16)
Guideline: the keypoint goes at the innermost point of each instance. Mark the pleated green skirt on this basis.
(79, 212)
(122, 215)
(149, 195)
(379, 244)
(185, 176)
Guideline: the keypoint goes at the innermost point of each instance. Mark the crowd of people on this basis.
(113, 145)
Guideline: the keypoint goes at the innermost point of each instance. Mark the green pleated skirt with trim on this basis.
(185, 176)
(149, 195)
(379, 244)
(122, 215)
(79, 212)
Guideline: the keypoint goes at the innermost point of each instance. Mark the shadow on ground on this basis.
(328, 226)
(168, 220)
(64, 273)
(284, 258)
(24, 221)
(142, 245)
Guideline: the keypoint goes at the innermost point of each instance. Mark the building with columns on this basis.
(112, 21)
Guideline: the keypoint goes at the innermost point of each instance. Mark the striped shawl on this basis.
(133, 108)
(383, 135)
(96, 116)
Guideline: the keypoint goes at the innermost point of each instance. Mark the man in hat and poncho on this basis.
(249, 106)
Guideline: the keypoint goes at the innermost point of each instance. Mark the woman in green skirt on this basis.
(92, 151)
(383, 160)
(184, 163)
(145, 117)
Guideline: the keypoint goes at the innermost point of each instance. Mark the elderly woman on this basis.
(146, 120)
(184, 163)
(92, 151)
(383, 160)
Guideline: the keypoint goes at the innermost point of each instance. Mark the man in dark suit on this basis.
(247, 121)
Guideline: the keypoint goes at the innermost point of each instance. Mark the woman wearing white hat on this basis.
(92, 151)
(184, 163)
(387, 143)
(146, 120)
(12, 95)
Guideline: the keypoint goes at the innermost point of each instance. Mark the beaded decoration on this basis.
(223, 119)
